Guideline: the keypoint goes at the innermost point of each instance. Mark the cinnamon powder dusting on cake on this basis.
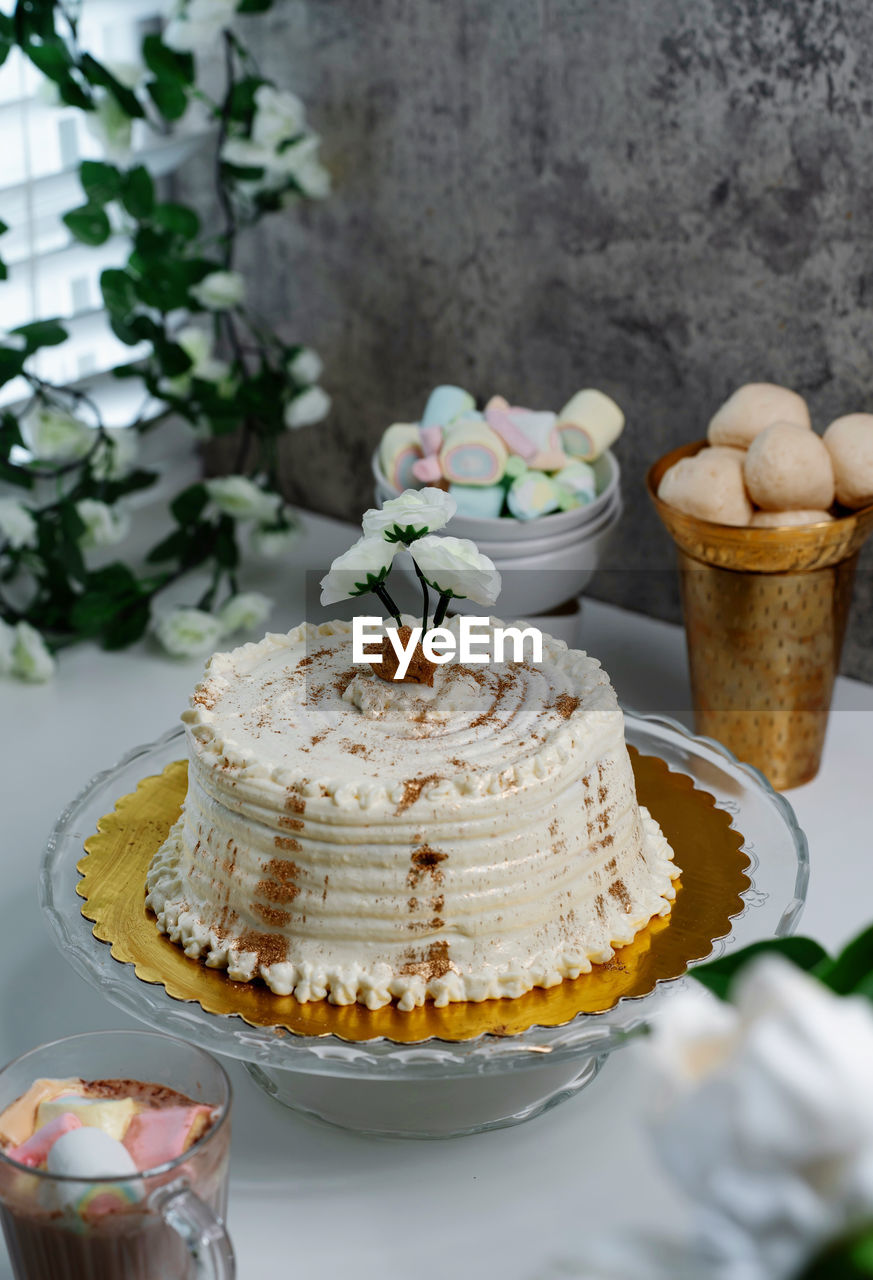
(565, 704)
(433, 963)
(281, 887)
(291, 824)
(343, 681)
(310, 658)
(295, 803)
(271, 915)
(412, 789)
(619, 892)
(287, 843)
(268, 947)
(203, 698)
(425, 861)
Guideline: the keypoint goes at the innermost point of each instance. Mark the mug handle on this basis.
(203, 1234)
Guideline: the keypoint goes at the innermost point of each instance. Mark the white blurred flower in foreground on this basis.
(188, 632)
(220, 290)
(273, 543)
(53, 435)
(244, 612)
(308, 407)
(112, 127)
(197, 345)
(105, 526)
(195, 24)
(306, 366)
(768, 1124)
(118, 454)
(17, 525)
(241, 498)
(31, 659)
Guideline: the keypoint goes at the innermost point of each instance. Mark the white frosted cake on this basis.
(350, 838)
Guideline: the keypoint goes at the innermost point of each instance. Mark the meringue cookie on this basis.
(849, 441)
(788, 468)
(709, 486)
(751, 409)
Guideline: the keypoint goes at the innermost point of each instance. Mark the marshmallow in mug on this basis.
(849, 441)
(751, 409)
(589, 423)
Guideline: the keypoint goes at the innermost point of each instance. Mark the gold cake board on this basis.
(709, 895)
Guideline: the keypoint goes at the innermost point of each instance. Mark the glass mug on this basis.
(174, 1227)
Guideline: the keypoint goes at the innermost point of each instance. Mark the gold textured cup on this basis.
(765, 616)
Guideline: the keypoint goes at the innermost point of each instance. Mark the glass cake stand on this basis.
(434, 1088)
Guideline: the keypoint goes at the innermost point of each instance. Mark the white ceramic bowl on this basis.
(507, 530)
(533, 546)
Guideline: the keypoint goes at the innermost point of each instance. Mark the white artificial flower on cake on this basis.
(117, 455)
(195, 24)
(241, 498)
(220, 290)
(306, 366)
(185, 633)
(105, 525)
(273, 543)
(358, 570)
(53, 435)
(768, 1124)
(307, 408)
(244, 612)
(413, 514)
(456, 567)
(17, 525)
(7, 647)
(31, 659)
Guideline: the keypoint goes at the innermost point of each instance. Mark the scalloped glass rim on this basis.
(779, 870)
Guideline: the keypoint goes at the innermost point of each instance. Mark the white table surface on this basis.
(313, 1202)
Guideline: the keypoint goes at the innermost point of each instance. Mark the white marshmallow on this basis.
(589, 423)
(751, 409)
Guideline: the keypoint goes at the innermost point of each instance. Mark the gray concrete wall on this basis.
(662, 198)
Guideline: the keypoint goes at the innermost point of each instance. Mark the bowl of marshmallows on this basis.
(536, 490)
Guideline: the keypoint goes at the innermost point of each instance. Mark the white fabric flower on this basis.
(53, 435)
(273, 543)
(310, 406)
(244, 612)
(188, 632)
(769, 1126)
(197, 23)
(358, 570)
(241, 498)
(306, 366)
(456, 567)
(14, 341)
(31, 659)
(279, 116)
(105, 525)
(118, 454)
(17, 525)
(301, 163)
(220, 290)
(197, 346)
(7, 646)
(411, 515)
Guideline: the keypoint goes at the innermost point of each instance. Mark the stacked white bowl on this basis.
(543, 562)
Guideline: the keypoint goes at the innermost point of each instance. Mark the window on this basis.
(51, 274)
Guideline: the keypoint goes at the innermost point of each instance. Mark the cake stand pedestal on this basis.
(432, 1087)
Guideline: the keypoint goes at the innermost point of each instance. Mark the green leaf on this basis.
(128, 625)
(100, 182)
(52, 58)
(89, 224)
(170, 548)
(11, 364)
(3, 227)
(718, 975)
(848, 1259)
(119, 293)
(852, 967)
(4, 270)
(177, 218)
(254, 6)
(166, 63)
(96, 73)
(15, 475)
(42, 333)
(169, 97)
(188, 505)
(241, 107)
(138, 192)
(226, 550)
